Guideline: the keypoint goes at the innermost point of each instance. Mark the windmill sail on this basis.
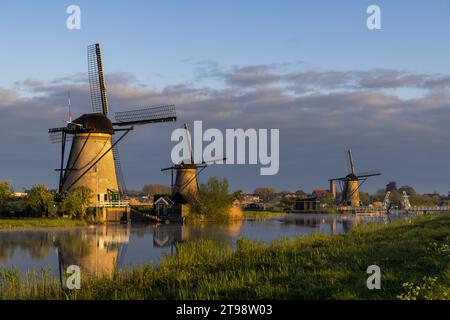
(97, 80)
(57, 137)
(93, 160)
(146, 115)
(119, 171)
(350, 162)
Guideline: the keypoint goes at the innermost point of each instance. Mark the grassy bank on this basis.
(39, 222)
(414, 257)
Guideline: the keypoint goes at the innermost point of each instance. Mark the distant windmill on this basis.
(351, 183)
(94, 159)
(186, 182)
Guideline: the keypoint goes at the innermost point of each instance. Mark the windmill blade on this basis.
(146, 115)
(56, 135)
(214, 160)
(166, 171)
(369, 174)
(188, 139)
(119, 171)
(97, 80)
(337, 179)
(60, 135)
(350, 162)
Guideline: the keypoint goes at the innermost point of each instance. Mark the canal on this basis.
(99, 250)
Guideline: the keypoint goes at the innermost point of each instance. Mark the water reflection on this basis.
(168, 235)
(94, 250)
(100, 250)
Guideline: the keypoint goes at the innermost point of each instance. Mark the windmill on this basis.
(351, 183)
(93, 159)
(186, 173)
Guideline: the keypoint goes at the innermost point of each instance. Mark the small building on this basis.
(307, 205)
(318, 193)
(250, 198)
(20, 194)
(163, 206)
(174, 208)
(291, 195)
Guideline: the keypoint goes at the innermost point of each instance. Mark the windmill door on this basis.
(161, 209)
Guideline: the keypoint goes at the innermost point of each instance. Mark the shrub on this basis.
(77, 201)
(6, 192)
(40, 199)
(214, 201)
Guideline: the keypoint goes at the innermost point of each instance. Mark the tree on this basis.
(77, 201)
(422, 200)
(301, 194)
(6, 193)
(409, 190)
(238, 195)
(365, 198)
(40, 199)
(328, 199)
(287, 202)
(152, 189)
(215, 201)
(266, 194)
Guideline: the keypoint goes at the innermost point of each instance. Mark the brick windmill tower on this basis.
(351, 183)
(185, 187)
(93, 159)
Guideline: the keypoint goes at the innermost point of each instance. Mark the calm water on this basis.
(101, 249)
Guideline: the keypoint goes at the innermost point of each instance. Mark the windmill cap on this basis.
(95, 122)
(351, 176)
(187, 166)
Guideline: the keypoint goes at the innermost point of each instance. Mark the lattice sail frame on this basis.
(57, 137)
(97, 85)
(146, 115)
(119, 170)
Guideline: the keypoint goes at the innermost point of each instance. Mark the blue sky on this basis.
(162, 39)
(165, 45)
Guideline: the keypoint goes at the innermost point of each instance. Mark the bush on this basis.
(40, 200)
(77, 201)
(214, 201)
(6, 193)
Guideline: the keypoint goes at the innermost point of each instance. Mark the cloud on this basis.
(367, 79)
(322, 79)
(254, 75)
(7, 98)
(338, 109)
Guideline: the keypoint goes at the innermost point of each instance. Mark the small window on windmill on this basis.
(115, 196)
(105, 197)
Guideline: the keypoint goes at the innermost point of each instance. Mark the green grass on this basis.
(414, 257)
(262, 214)
(39, 222)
